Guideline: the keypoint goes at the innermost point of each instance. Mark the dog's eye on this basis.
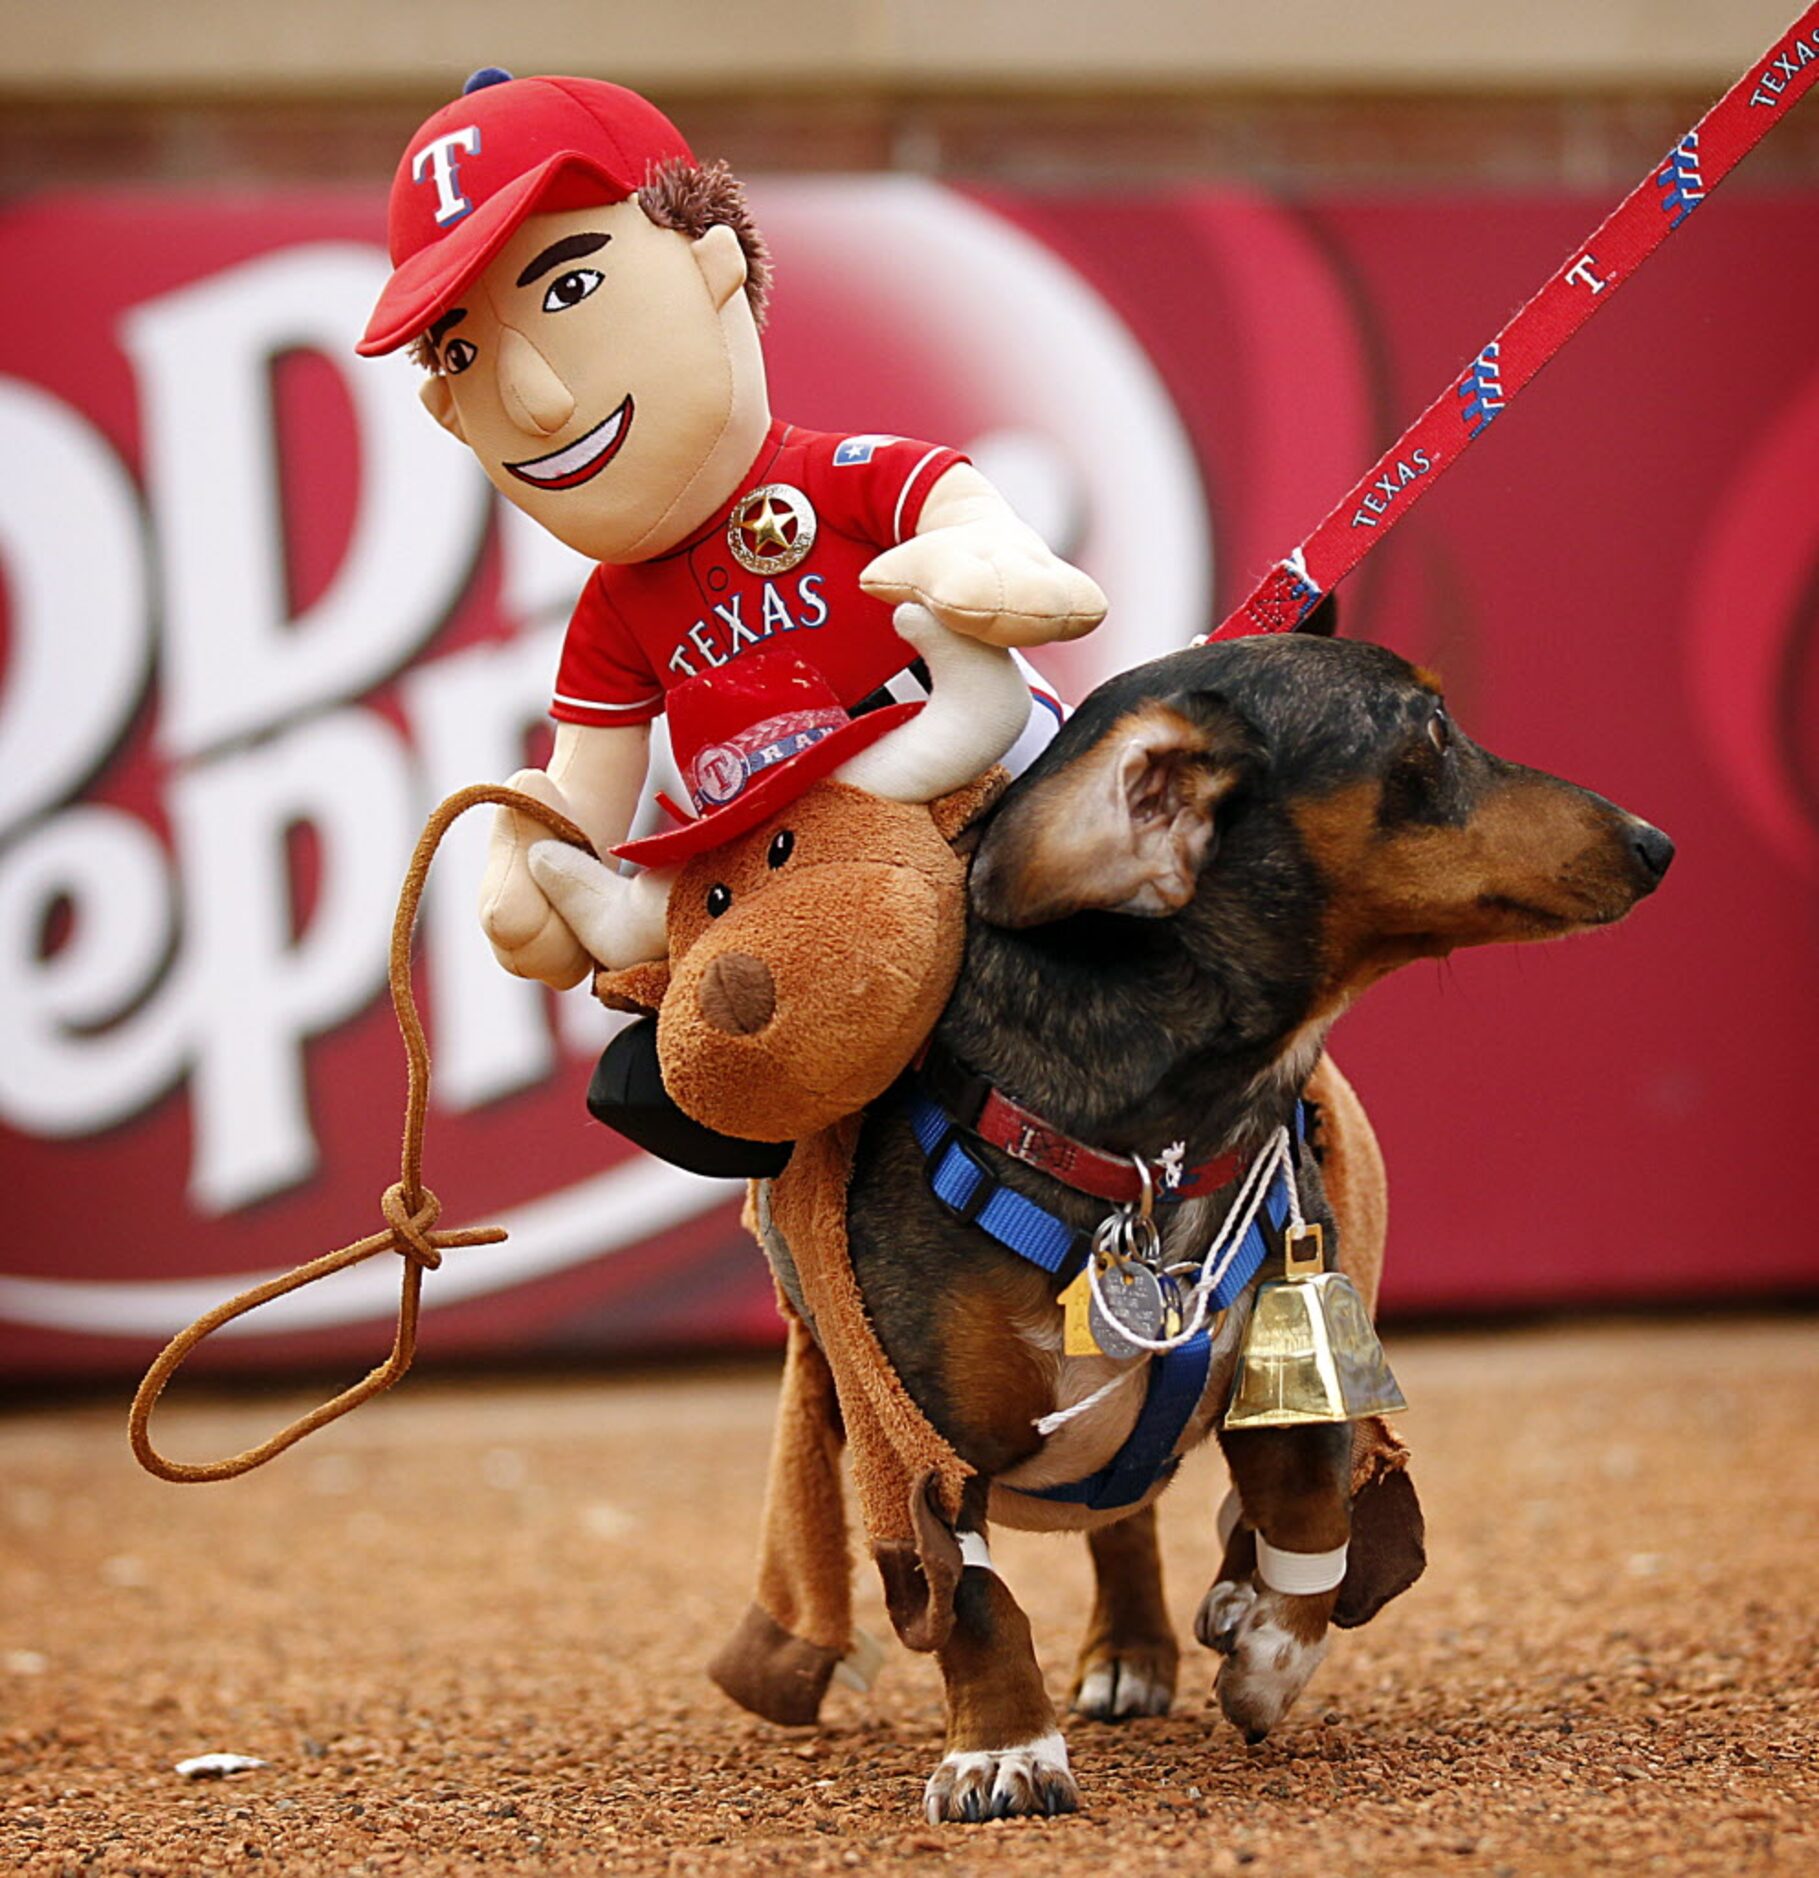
(1439, 731)
(783, 845)
(719, 898)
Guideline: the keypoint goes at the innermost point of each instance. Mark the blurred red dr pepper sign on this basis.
(244, 727)
(184, 1006)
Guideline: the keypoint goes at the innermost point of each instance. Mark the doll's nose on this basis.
(535, 399)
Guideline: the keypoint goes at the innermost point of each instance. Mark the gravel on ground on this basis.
(465, 1629)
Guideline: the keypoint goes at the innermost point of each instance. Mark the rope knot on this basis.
(411, 1226)
(410, 1209)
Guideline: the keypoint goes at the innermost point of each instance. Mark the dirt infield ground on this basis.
(465, 1629)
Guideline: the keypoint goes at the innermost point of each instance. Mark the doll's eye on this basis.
(719, 898)
(783, 845)
(570, 289)
(1439, 731)
(457, 356)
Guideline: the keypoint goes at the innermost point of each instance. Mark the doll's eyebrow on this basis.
(569, 248)
(452, 318)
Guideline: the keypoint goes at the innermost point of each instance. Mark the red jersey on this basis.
(783, 557)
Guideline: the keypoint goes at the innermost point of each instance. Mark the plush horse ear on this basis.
(1123, 825)
(960, 810)
(638, 988)
(1323, 622)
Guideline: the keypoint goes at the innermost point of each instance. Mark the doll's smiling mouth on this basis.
(576, 462)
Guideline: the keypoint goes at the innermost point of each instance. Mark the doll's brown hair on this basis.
(696, 197)
(691, 198)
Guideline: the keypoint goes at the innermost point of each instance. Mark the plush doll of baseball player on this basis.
(587, 299)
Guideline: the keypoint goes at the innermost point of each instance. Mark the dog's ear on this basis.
(1323, 622)
(1124, 826)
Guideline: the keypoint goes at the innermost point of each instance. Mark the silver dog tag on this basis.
(1132, 1303)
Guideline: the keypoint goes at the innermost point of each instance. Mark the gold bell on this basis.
(1310, 1354)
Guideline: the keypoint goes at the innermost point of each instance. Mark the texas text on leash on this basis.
(1217, 853)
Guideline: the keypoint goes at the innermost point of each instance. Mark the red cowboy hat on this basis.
(749, 739)
(506, 148)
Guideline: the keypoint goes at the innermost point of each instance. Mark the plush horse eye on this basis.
(719, 898)
(783, 845)
(1439, 731)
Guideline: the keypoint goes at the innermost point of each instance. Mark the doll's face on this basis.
(606, 373)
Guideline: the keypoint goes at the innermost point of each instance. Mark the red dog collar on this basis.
(986, 1111)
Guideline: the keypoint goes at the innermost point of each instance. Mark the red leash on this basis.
(1590, 276)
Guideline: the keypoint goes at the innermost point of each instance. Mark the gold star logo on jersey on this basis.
(771, 530)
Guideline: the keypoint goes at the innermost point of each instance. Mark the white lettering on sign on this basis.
(108, 1021)
(70, 1062)
(127, 966)
(236, 660)
(70, 543)
(470, 715)
(437, 160)
(262, 992)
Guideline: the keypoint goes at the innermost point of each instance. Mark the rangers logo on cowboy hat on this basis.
(749, 739)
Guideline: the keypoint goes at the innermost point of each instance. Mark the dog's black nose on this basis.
(1654, 850)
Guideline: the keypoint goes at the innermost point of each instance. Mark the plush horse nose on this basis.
(535, 399)
(738, 994)
(1654, 850)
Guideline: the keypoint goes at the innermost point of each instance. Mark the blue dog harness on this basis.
(968, 1189)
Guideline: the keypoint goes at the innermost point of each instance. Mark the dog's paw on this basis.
(1001, 1783)
(1119, 1682)
(1267, 1664)
(1222, 1613)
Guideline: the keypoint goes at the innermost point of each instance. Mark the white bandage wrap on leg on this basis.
(859, 1667)
(1299, 1574)
(1231, 1511)
(974, 1551)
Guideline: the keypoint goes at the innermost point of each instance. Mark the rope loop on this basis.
(411, 1210)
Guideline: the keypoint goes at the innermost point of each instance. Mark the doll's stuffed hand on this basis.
(994, 579)
(620, 918)
(529, 936)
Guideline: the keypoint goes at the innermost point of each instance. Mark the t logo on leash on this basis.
(1626, 237)
(1583, 271)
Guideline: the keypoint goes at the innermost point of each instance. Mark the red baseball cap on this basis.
(506, 148)
(749, 739)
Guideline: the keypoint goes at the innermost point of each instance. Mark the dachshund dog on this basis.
(1163, 918)
(1219, 852)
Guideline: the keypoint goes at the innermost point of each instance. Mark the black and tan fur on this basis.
(1216, 855)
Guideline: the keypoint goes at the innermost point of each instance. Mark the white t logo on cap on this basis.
(438, 157)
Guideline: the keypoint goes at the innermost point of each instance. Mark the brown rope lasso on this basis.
(410, 1208)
